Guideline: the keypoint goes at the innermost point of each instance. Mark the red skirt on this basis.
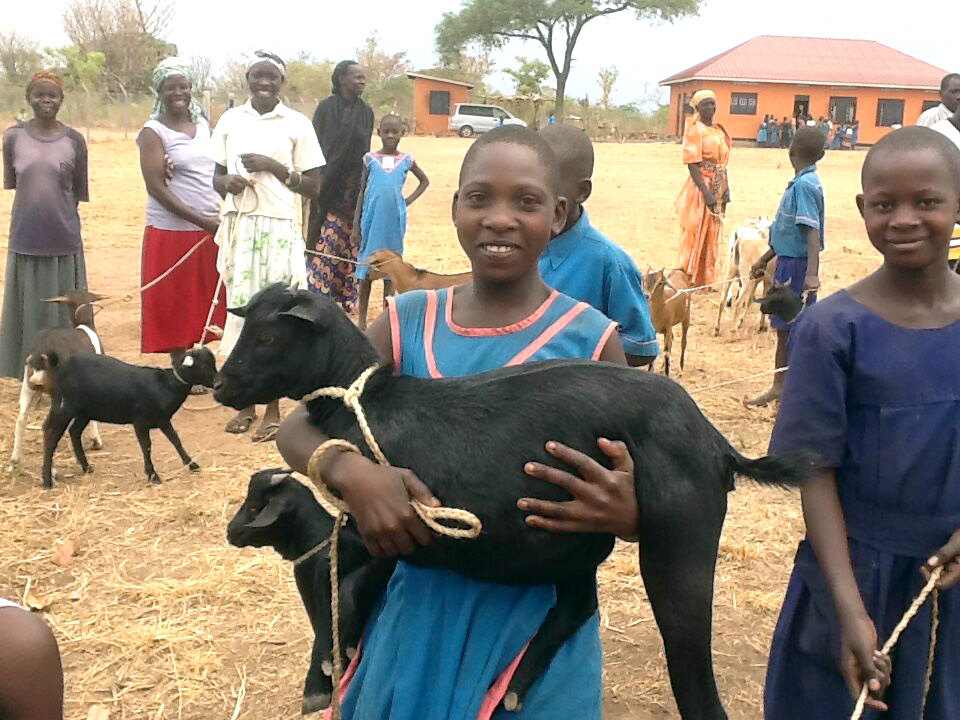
(173, 311)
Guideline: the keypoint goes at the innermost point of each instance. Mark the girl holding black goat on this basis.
(461, 639)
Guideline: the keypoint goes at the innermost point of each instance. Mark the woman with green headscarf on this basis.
(182, 210)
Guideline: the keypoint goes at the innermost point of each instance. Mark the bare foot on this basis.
(763, 400)
(242, 421)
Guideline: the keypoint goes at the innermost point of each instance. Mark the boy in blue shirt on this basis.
(796, 239)
(582, 263)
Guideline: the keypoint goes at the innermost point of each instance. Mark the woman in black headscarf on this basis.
(344, 124)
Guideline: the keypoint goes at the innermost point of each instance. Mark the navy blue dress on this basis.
(880, 403)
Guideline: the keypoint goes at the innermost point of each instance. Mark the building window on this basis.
(889, 113)
(439, 102)
(929, 105)
(743, 104)
(843, 109)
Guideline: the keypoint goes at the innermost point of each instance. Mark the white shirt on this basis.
(931, 117)
(282, 134)
(945, 127)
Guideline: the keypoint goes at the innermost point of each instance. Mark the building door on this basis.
(843, 109)
(801, 105)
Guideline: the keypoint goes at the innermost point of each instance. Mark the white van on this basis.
(469, 119)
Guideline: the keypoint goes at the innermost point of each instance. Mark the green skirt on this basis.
(30, 279)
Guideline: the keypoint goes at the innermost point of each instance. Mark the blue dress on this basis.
(880, 403)
(439, 640)
(383, 222)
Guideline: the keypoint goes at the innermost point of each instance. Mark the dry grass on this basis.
(158, 618)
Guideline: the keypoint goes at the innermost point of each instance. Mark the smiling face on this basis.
(176, 93)
(910, 203)
(505, 211)
(264, 81)
(45, 98)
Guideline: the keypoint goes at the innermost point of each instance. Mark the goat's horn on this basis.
(57, 299)
(277, 478)
(294, 283)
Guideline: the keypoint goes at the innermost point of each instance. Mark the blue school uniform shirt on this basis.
(801, 207)
(440, 640)
(584, 264)
(383, 222)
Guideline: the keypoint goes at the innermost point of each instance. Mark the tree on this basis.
(471, 65)
(80, 70)
(202, 68)
(555, 24)
(529, 76)
(128, 32)
(388, 87)
(608, 78)
(19, 56)
(308, 80)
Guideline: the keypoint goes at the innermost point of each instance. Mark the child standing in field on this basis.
(442, 646)
(874, 391)
(381, 216)
(796, 239)
(582, 263)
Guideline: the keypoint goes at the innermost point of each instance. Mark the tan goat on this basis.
(406, 277)
(669, 306)
(747, 244)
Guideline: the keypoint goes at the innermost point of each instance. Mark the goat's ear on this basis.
(308, 312)
(270, 512)
(238, 311)
(187, 361)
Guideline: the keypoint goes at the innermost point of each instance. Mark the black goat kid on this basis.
(458, 434)
(98, 387)
(282, 513)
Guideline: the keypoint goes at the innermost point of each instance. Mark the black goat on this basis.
(458, 433)
(282, 513)
(782, 302)
(98, 387)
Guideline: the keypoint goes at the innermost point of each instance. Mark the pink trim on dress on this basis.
(399, 156)
(598, 351)
(429, 327)
(394, 333)
(491, 701)
(547, 335)
(494, 331)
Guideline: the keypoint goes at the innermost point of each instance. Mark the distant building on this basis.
(844, 80)
(433, 101)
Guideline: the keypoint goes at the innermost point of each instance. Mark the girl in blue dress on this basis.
(442, 646)
(874, 389)
(381, 216)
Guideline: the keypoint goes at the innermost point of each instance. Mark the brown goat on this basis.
(406, 277)
(38, 380)
(669, 305)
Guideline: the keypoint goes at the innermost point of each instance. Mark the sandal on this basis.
(240, 425)
(266, 433)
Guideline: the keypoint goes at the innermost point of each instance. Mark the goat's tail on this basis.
(787, 470)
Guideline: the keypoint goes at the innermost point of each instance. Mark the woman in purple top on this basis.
(46, 163)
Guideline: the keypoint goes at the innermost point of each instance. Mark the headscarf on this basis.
(699, 97)
(46, 76)
(173, 67)
(268, 57)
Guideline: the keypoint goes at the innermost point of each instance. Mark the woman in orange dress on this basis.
(704, 197)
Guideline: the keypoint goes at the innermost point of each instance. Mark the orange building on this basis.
(433, 101)
(845, 80)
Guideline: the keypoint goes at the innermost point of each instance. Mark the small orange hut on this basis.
(844, 80)
(433, 101)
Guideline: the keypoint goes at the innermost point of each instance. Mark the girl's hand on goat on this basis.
(861, 662)
(604, 500)
(949, 558)
(379, 500)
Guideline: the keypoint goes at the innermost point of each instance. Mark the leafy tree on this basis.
(388, 87)
(608, 78)
(555, 24)
(19, 56)
(529, 76)
(308, 80)
(80, 70)
(467, 65)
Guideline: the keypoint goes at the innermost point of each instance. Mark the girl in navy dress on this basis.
(381, 216)
(874, 389)
(442, 646)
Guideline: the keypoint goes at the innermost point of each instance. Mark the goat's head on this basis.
(80, 303)
(380, 261)
(653, 280)
(40, 377)
(782, 302)
(197, 367)
(292, 342)
(266, 516)
(762, 223)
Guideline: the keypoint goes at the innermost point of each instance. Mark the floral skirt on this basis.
(336, 279)
(256, 251)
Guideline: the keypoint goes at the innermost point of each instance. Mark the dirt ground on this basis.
(158, 617)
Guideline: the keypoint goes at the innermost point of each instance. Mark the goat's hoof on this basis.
(314, 703)
(326, 667)
(48, 484)
(511, 702)
(154, 479)
(193, 466)
(88, 470)
(96, 444)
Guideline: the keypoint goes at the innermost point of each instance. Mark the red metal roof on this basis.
(815, 61)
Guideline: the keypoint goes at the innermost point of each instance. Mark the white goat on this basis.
(748, 243)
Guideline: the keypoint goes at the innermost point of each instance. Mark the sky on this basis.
(643, 53)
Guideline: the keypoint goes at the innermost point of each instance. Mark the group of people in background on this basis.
(774, 133)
